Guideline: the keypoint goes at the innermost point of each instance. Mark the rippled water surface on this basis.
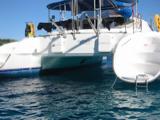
(79, 94)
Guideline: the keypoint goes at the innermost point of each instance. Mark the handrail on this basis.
(137, 22)
(58, 28)
(92, 25)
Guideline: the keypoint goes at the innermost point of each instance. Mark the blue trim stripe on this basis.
(21, 69)
(19, 72)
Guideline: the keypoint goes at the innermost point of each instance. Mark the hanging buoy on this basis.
(30, 30)
(157, 22)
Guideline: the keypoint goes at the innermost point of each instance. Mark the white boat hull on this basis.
(57, 51)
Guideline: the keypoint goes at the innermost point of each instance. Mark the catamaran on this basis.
(95, 29)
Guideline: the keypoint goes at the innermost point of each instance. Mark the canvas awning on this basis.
(88, 5)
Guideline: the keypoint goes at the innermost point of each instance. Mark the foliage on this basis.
(5, 41)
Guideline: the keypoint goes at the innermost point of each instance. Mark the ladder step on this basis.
(142, 78)
(142, 86)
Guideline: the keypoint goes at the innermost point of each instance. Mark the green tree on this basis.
(5, 41)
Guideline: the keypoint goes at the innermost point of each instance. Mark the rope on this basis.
(114, 83)
(5, 61)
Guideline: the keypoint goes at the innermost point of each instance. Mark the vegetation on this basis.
(4, 41)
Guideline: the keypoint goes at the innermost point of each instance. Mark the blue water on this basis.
(77, 94)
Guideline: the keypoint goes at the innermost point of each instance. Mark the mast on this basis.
(100, 7)
(94, 13)
(77, 21)
(100, 14)
(49, 19)
(136, 8)
(64, 10)
(73, 11)
(73, 17)
(99, 23)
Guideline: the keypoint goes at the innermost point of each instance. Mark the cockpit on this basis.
(86, 14)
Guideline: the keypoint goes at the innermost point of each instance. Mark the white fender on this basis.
(138, 54)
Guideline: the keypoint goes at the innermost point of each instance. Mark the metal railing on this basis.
(137, 23)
